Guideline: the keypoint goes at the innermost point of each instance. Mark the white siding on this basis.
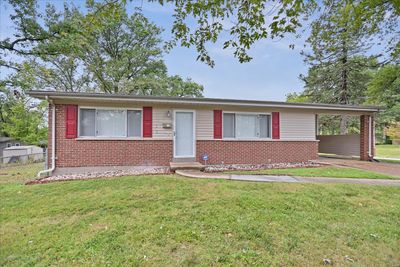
(297, 126)
(160, 117)
(204, 124)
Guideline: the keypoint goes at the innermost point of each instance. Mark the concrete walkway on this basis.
(284, 178)
(380, 167)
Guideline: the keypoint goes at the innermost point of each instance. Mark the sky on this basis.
(271, 75)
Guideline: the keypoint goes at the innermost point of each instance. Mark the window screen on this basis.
(111, 123)
(229, 125)
(134, 123)
(246, 126)
(87, 122)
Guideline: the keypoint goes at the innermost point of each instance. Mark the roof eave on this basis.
(199, 101)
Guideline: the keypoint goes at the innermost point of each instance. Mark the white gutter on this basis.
(53, 141)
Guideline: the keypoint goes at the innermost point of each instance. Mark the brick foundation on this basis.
(257, 152)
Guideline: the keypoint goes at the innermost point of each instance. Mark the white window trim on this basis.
(109, 137)
(247, 113)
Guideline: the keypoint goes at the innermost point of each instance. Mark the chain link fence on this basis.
(16, 160)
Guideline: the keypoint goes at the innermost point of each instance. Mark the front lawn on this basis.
(337, 172)
(388, 151)
(168, 221)
(20, 173)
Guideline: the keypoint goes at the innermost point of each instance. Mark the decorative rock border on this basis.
(252, 167)
(96, 175)
(166, 170)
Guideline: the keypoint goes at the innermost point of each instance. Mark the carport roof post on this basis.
(367, 139)
(200, 101)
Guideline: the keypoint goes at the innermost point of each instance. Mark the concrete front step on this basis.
(186, 166)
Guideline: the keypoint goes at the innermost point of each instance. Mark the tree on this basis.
(384, 90)
(102, 50)
(239, 23)
(26, 123)
(337, 71)
(297, 98)
(247, 22)
(119, 48)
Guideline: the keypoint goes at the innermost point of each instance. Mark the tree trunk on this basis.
(344, 97)
(343, 124)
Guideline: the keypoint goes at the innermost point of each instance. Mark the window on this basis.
(87, 122)
(246, 125)
(228, 123)
(17, 144)
(9, 145)
(265, 125)
(134, 123)
(110, 123)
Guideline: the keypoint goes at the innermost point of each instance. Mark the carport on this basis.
(360, 145)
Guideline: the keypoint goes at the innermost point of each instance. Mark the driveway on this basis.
(380, 167)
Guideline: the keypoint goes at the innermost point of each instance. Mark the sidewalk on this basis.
(284, 178)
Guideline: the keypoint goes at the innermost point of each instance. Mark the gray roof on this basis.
(195, 100)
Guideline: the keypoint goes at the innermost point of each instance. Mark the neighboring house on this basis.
(22, 154)
(114, 130)
(7, 142)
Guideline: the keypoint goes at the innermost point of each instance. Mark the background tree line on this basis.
(343, 70)
(103, 49)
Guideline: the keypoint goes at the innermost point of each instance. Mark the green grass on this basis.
(337, 172)
(388, 151)
(169, 221)
(21, 173)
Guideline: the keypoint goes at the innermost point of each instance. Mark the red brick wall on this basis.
(364, 137)
(82, 153)
(257, 152)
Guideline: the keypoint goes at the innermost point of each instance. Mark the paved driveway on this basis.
(380, 167)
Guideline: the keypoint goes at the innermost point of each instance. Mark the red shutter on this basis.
(147, 121)
(217, 124)
(71, 118)
(275, 125)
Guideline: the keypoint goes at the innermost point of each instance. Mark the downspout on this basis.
(53, 141)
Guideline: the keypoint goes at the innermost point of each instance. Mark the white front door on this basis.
(184, 134)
